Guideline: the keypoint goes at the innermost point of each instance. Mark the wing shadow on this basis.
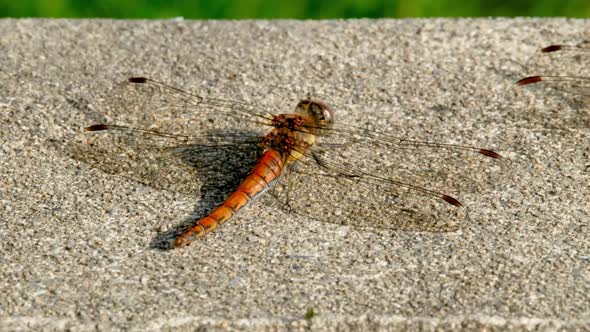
(210, 173)
(224, 174)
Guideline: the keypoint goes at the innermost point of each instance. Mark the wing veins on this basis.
(254, 110)
(383, 138)
(353, 172)
(209, 139)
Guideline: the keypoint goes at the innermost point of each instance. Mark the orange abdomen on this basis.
(268, 168)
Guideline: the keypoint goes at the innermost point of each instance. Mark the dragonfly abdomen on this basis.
(268, 168)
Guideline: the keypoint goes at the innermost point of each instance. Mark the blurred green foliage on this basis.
(313, 9)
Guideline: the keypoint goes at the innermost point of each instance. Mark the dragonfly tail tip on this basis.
(181, 241)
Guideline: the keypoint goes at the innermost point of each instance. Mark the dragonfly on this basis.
(307, 160)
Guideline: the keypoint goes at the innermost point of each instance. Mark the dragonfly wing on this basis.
(374, 180)
(170, 162)
(560, 72)
(355, 201)
(575, 85)
(560, 68)
(212, 139)
(343, 194)
(158, 106)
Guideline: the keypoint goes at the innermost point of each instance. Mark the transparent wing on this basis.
(563, 73)
(212, 138)
(575, 85)
(175, 163)
(561, 68)
(145, 103)
(351, 137)
(560, 60)
(377, 181)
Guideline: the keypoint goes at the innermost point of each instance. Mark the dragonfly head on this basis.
(318, 113)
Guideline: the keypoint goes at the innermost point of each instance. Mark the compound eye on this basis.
(303, 106)
(317, 111)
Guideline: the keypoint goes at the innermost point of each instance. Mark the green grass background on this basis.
(313, 9)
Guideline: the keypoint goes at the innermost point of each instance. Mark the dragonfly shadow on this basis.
(210, 172)
(220, 171)
(575, 112)
(563, 109)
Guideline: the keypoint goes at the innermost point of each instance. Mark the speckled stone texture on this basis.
(77, 241)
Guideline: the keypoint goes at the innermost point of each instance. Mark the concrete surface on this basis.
(77, 240)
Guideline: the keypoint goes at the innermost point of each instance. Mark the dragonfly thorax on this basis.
(293, 134)
(292, 143)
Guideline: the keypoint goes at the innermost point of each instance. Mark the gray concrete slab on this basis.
(77, 238)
